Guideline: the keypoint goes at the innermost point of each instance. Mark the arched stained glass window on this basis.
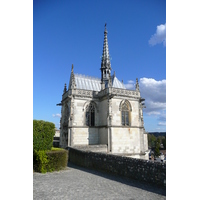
(90, 115)
(125, 113)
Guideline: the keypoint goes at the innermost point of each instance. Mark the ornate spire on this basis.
(72, 70)
(105, 60)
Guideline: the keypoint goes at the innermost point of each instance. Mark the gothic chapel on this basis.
(103, 112)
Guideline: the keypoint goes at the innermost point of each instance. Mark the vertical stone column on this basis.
(141, 141)
(109, 139)
(62, 131)
(71, 110)
(109, 122)
(69, 136)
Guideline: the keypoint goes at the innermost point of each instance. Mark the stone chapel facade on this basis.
(103, 112)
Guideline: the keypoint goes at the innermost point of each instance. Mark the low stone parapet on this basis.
(92, 148)
(138, 169)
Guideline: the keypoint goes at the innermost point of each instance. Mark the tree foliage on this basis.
(152, 139)
(157, 148)
(164, 142)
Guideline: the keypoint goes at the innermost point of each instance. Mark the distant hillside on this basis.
(156, 134)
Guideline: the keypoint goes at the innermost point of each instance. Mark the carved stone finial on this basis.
(137, 85)
(110, 81)
(114, 74)
(65, 88)
(72, 79)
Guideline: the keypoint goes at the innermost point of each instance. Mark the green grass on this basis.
(56, 149)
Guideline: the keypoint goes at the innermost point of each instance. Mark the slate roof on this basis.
(116, 83)
(93, 83)
(87, 82)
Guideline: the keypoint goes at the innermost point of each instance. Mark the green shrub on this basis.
(40, 161)
(57, 159)
(48, 161)
(43, 133)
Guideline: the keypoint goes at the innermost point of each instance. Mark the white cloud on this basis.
(130, 85)
(154, 93)
(161, 123)
(159, 36)
(153, 113)
(56, 115)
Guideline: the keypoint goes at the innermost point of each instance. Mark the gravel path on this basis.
(76, 183)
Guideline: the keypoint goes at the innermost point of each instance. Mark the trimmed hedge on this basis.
(49, 161)
(43, 133)
(40, 161)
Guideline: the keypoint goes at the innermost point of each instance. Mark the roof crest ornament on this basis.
(72, 78)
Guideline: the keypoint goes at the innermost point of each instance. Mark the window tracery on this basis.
(90, 115)
(125, 109)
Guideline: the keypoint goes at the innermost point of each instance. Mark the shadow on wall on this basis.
(93, 137)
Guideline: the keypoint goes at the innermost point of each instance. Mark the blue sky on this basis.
(66, 32)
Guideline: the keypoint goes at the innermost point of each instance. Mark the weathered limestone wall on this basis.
(125, 140)
(65, 111)
(134, 114)
(103, 135)
(84, 136)
(145, 141)
(109, 131)
(103, 148)
(138, 169)
(79, 114)
(103, 105)
(141, 141)
(116, 119)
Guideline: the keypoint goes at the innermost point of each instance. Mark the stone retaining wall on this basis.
(138, 169)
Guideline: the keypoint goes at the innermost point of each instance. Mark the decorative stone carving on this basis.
(65, 89)
(87, 103)
(125, 103)
(137, 85)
